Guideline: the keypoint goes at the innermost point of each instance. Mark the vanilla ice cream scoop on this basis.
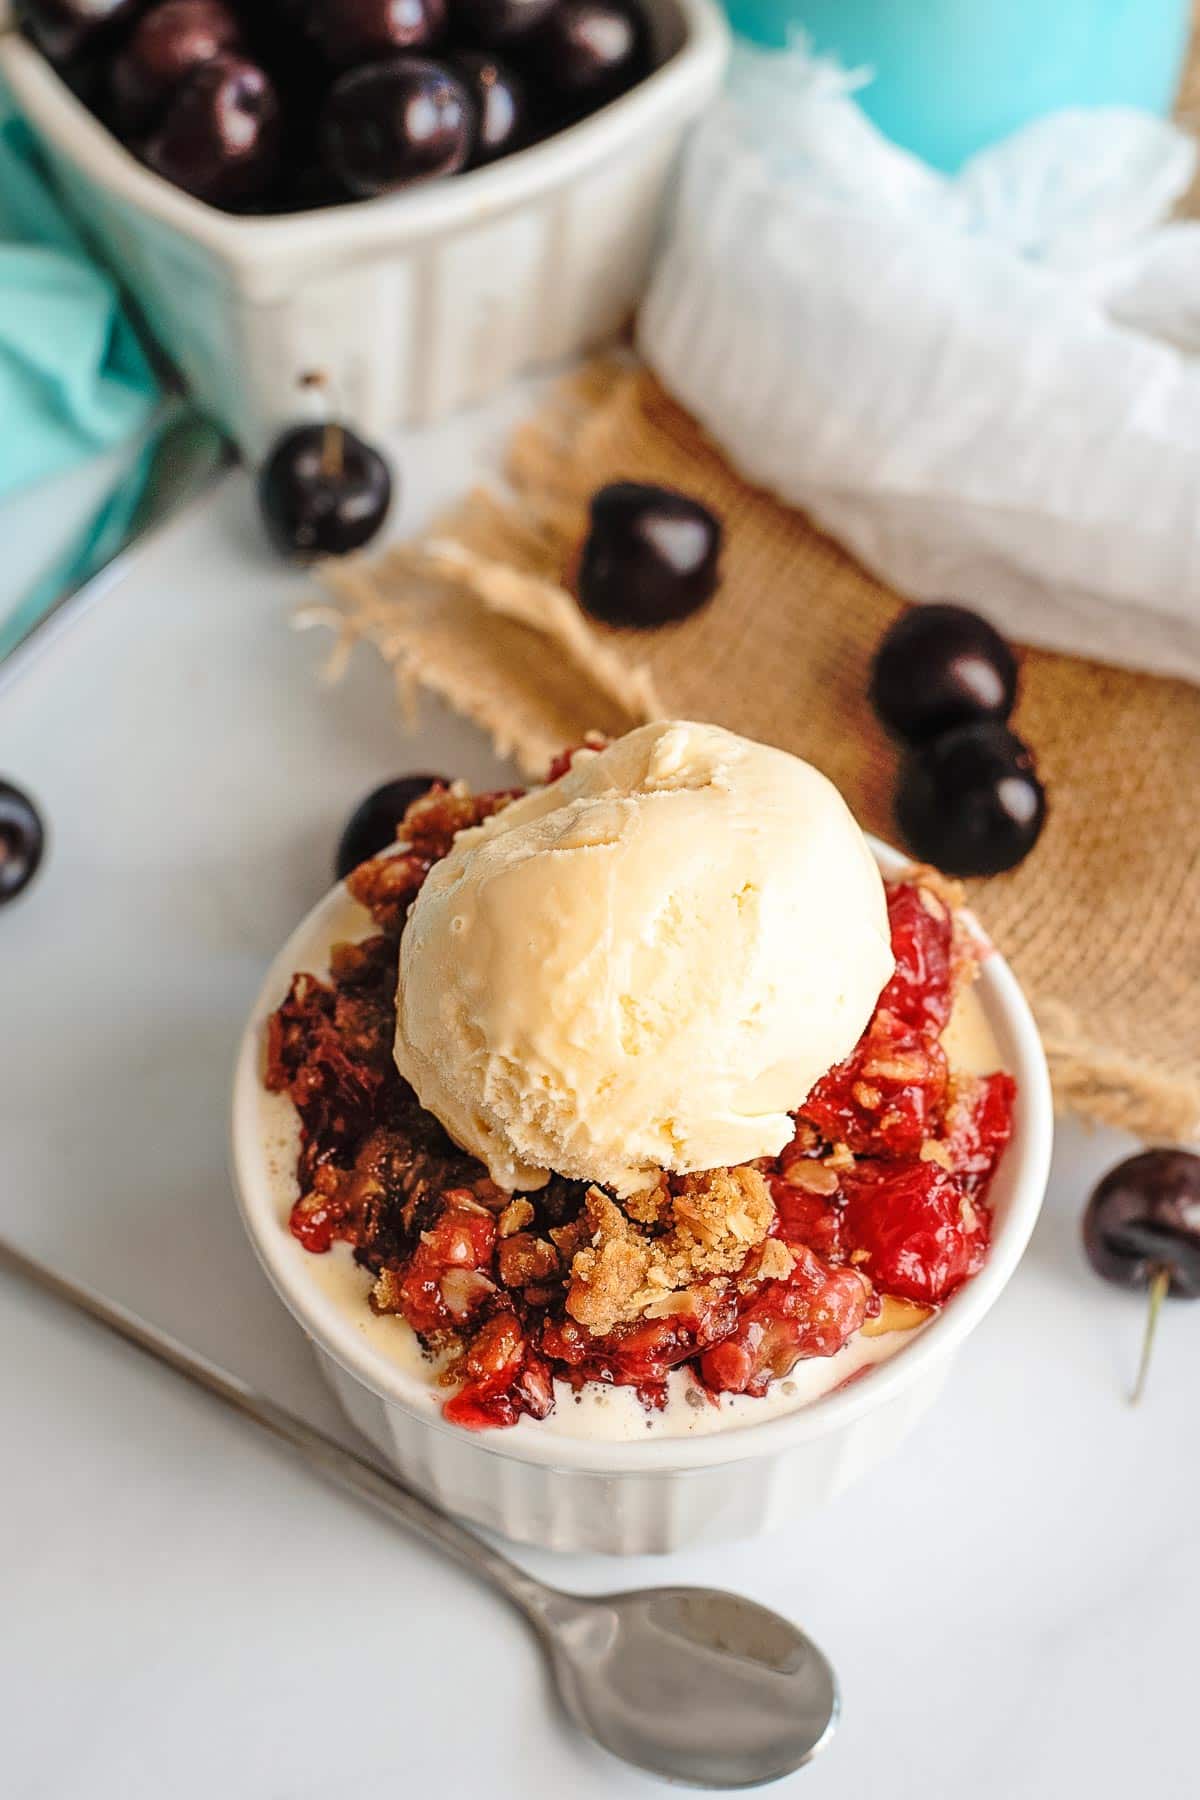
(646, 965)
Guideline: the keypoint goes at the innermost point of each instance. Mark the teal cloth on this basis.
(73, 378)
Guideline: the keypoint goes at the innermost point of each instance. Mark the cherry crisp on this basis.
(876, 1210)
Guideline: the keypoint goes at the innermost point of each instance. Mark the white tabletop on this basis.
(1011, 1601)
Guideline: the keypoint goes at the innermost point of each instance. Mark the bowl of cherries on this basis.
(422, 197)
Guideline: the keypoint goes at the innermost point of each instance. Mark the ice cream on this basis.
(646, 965)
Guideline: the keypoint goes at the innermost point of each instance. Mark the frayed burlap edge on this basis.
(511, 652)
(1110, 1088)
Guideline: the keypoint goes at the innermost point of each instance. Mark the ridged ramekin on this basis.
(566, 1493)
(414, 304)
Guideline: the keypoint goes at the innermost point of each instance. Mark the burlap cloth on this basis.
(1102, 922)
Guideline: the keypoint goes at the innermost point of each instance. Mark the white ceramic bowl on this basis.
(568, 1493)
(413, 304)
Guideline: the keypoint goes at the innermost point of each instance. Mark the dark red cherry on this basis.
(166, 46)
(22, 841)
(373, 824)
(970, 802)
(303, 78)
(492, 23)
(1141, 1229)
(1145, 1216)
(498, 94)
(323, 491)
(291, 15)
(650, 555)
(220, 136)
(586, 52)
(939, 666)
(309, 188)
(392, 123)
(350, 32)
(63, 29)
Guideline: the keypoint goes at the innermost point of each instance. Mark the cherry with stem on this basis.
(323, 490)
(1141, 1230)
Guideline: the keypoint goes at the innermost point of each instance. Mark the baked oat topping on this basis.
(515, 1217)
(707, 1224)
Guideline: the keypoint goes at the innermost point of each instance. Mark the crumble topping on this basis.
(387, 885)
(813, 1177)
(515, 1217)
(775, 1262)
(708, 1224)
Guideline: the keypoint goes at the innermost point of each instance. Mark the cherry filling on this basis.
(881, 1193)
(812, 1313)
(887, 1098)
(922, 1234)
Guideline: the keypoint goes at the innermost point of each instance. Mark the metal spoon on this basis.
(694, 1685)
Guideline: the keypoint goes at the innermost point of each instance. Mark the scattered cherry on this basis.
(1141, 1229)
(970, 801)
(220, 136)
(166, 46)
(63, 29)
(350, 32)
(1145, 1213)
(498, 94)
(494, 23)
(650, 555)
(392, 123)
(323, 491)
(940, 666)
(373, 824)
(22, 841)
(587, 52)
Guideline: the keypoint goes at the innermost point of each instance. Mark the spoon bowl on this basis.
(692, 1684)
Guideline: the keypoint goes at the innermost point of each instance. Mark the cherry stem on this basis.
(333, 439)
(1158, 1293)
(333, 447)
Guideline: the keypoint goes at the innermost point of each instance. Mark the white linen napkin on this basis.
(986, 386)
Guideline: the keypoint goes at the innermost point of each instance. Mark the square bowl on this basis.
(411, 305)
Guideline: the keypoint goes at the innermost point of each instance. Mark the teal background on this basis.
(952, 76)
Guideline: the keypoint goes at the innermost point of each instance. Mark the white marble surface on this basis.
(1011, 1601)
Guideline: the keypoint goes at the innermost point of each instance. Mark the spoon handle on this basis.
(344, 1468)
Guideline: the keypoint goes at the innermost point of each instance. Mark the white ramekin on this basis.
(631, 1498)
(414, 304)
